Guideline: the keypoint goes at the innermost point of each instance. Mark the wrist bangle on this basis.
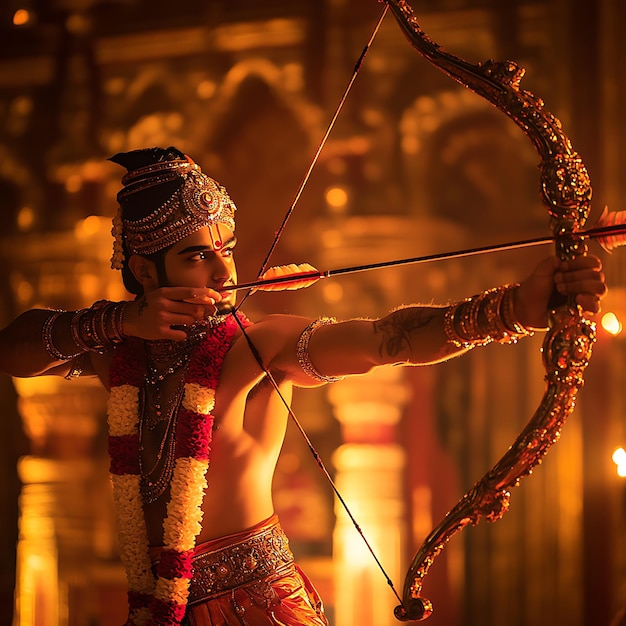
(100, 327)
(48, 342)
(486, 317)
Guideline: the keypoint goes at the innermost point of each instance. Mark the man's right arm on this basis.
(44, 342)
(22, 349)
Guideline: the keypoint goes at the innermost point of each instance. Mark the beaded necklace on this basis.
(162, 600)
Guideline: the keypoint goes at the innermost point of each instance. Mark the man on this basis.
(195, 390)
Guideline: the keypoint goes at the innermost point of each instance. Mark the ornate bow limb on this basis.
(566, 193)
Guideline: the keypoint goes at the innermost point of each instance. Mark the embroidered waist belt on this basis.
(260, 553)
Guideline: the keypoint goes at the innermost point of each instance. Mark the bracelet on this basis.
(508, 314)
(77, 366)
(486, 317)
(302, 351)
(100, 327)
(48, 342)
(456, 324)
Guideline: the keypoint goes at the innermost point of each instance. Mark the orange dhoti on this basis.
(250, 579)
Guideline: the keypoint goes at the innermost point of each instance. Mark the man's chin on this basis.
(225, 306)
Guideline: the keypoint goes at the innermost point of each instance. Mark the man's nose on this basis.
(220, 270)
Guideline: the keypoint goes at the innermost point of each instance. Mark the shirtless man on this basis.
(174, 244)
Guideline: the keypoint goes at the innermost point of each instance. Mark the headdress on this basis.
(198, 201)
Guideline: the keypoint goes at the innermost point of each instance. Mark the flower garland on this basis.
(162, 600)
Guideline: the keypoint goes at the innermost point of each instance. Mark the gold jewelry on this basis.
(100, 327)
(77, 366)
(48, 342)
(302, 351)
(508, 314)
(486, 317)
(198, 202)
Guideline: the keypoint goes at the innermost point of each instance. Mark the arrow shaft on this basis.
(592, 233)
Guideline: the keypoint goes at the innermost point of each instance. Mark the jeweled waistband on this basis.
(261, 553)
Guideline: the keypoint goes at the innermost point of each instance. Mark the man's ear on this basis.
(144, 271)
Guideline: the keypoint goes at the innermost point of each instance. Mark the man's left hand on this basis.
(581, 277)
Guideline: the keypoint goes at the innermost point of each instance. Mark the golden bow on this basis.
(566, 193)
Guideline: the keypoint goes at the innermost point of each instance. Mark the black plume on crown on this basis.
(136, 159)
(139, 205)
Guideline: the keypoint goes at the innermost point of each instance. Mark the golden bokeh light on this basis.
(619, 458)
(21, 17)
(337, 198)
(611, 323)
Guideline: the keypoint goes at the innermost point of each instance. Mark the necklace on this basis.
(162, 599)
(164, 360)
(155, 480)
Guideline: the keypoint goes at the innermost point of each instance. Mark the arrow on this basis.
(610, 231)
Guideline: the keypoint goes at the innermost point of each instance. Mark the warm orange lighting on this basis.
(332, 292)
(611, 323)
(21, 17)
(89, 226)
(337, 197)
(25, 218)
(73, 184)
(619, 458)
(206, 89)
(25, 291)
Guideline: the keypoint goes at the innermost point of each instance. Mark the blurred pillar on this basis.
(369, 476)
(67, 553)
(61, 503)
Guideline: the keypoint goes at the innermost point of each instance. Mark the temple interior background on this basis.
(415, 165)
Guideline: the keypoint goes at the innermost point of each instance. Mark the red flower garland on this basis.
(163, 601)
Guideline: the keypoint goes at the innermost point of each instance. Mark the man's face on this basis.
(204, 259)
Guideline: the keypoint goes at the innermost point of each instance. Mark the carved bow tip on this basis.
(414, 610)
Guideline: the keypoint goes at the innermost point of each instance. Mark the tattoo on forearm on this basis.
(396, 329)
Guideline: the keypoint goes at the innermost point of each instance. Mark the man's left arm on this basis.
(417, 334)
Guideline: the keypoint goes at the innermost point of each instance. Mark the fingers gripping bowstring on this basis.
(263, 268)
(318, 152)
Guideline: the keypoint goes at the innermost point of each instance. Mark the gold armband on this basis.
(302, 351)
(486, 317)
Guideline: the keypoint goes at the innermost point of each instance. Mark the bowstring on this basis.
(263, 268)
(318, 152)
(314, 452)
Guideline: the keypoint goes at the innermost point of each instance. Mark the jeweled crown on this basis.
(199, 201)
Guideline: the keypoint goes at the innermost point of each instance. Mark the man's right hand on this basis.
(164, 313)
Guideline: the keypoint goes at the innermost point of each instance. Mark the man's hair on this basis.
(141, 204)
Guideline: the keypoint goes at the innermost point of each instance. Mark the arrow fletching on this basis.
(288, 277)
